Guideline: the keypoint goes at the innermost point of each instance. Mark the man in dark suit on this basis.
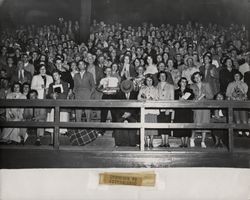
(20, 75)
(127, 137)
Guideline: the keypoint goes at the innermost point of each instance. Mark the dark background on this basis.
(14, 12)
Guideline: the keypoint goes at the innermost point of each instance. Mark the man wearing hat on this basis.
(127, 137)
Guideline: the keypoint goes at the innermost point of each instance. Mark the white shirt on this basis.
(82, 73)
(151, 69)
(109, 82)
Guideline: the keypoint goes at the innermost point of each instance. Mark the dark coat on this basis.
(247, 81)
(15, 78)
(134, 112)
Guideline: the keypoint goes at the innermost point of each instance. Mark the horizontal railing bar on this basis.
(187, 126)
(242, 126)
(48, 103)
(138, 125)
(23, 124)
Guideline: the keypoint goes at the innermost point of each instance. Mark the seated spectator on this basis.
(36, 115)
(27, 65)
(189, 70)
(3, 73)
(73, 69)
(25, 88)
(139, 79)
(10, 67)
(151, 68)
(4, 90)
(20, 75)
(127, 69)
(115, 72)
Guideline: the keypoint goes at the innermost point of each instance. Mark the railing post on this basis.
(142, 130)
(56, 127)
(231, 130)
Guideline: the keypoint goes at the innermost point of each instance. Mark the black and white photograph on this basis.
(125, 99)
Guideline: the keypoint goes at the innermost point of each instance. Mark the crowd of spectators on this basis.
(166, 62)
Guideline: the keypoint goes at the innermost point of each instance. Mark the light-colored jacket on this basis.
(37, 82)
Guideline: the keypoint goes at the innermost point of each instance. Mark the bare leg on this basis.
(166, 140)
(203, 145)
(78, 115)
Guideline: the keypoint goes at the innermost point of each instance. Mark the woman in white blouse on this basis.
(151, 68)
(149, 93)
(41, 82)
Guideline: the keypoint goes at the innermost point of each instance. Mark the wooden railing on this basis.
(230, 106)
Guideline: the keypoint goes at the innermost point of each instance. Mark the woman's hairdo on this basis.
(182, 78)
(149, 76)
(162, 72)
(238, 72)
(194, 74)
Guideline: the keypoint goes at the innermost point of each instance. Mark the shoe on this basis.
(182, 146)
(25, 137)
(185, 145)
(162, 145)
(247, 133)
(22, 142)
(192, 144)
(151, 146)
(38, 143)
(9, 142)
(14, 142)
(240, 134)
(203, 145)
(167, 145)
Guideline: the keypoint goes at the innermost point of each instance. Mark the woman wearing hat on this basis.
(149, 93)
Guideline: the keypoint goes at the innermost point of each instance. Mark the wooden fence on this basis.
(230, 106)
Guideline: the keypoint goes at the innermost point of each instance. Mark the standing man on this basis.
(84, 86)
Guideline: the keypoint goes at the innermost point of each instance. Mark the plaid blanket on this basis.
(82, 137)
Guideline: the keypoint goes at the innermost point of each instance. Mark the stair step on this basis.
(108, 141)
